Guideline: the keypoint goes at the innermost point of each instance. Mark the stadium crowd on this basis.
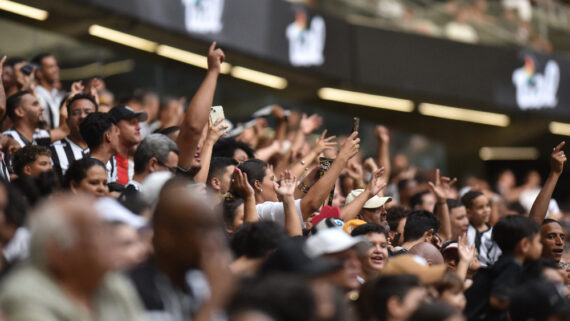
(158, 211)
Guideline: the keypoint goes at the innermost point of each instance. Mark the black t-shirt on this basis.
(497, 281)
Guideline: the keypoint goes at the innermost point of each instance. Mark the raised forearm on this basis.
(542, 201)
(384, 159)
(292, 222)
(351, 210)
(249, 210)
(442, 212)
(195, 119)
(205, 159)
(298, 169)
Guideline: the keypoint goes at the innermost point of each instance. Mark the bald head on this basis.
(429, 252)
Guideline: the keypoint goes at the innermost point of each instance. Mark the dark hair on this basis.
(14, 102)
(77, 170)
(533, 269)
(273, 296)
(434, 311)
(418, 223)
(27, 155)
(229, 208)
(93, 127)
(256, 240)
(449, 281)
(368, 228)
(382, 289)
(510, 230)
(218, 166)
(16, 210)
(453, 203)
(416, 199)
(77, 97)
(226, 147)
(395, 215)
(255, 170)
(549, 220)
(468, 198)
(39, 58)
(10, 62)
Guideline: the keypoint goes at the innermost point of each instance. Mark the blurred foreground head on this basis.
(70, 240)
(184, 225)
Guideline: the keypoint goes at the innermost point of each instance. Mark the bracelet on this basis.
(303, 188)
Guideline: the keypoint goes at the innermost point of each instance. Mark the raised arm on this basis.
(215, 131)
(321, 144)
(321, 189)
(199, 109)
(2, 91)
(383, 137)
(540, 205)
(441, 210)
(285, 190)
(375, 185)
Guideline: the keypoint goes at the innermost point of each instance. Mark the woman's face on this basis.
(95, 182)
(267, 192)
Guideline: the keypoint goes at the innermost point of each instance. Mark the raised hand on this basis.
(2, 66)
(215, 131)
(323, 143)
(466, 252)
(278, 112)
(215, 58)
(350, 146)
(310, 124)
(76, 88)
(240, 184)
(370, 165)
(287, 184)
(382, 133)
(557, 159)
(376, 185)
(442, 186)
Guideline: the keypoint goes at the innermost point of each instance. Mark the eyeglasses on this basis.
(171, 169)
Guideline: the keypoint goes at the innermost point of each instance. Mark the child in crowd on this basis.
(479, 231)
(488, 298)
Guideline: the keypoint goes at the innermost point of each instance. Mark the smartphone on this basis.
(27, 69)
(355, 124)
(216, 113)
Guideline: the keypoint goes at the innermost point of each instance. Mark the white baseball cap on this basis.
(373, 202)
(333, 240)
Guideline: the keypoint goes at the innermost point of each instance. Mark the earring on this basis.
(260, 190)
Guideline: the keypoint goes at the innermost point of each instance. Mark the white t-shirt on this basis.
(273, 211)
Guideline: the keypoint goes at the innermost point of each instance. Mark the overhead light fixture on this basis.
(188, 57)
(508, 153)
(358, 98)
(259, 77)
(23, 10)
(558, 128)
(468, 115)
(122, 38)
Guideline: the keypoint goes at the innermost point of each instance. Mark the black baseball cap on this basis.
(125, 112)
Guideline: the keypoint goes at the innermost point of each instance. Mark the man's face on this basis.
(226, 179)
(31, 110)
(130, 132)
(347, 277)
(377, 255)
(375, 215)
(41, 165)
(552, 237)
(78, 111)
(459, 221)
(50, 69)
(171, 163)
